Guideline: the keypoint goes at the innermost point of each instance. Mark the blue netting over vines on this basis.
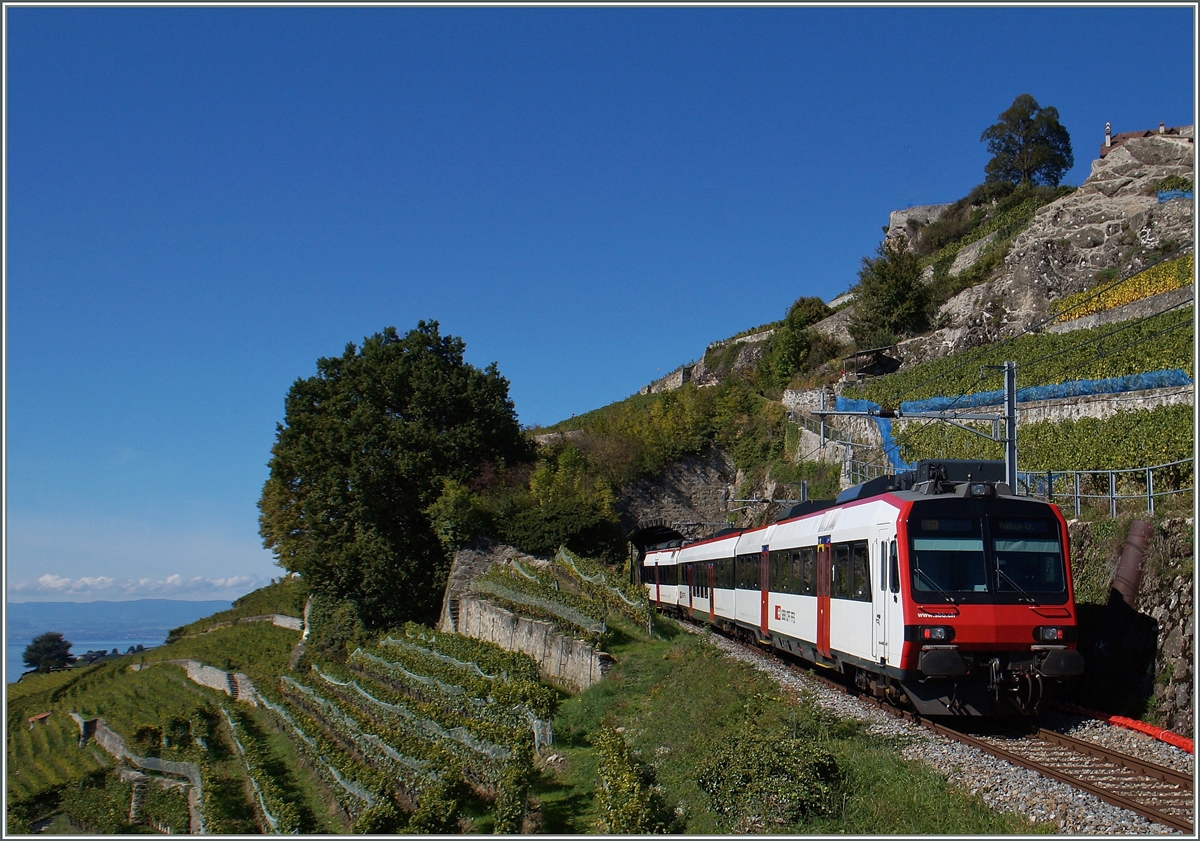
(1076, 388)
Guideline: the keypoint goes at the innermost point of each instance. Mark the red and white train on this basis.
(935, 589)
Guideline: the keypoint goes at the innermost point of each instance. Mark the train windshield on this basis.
(987, 559)
(1028, 556)
(947, 557)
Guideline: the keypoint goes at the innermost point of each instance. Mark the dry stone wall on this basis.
(234, 684)
(114, 745)
(1158, 648)
(571, 663)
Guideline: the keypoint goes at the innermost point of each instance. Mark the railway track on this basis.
(1157, 793)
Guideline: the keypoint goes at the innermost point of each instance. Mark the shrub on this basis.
(334, 627)
(147, 740)
(438, 811)
(381, 819)
(508, 811)
(1171, 182)
(891, 300)
(631, 800)
(567, 503)
(759, 782)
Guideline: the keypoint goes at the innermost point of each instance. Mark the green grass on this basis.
(675, 695)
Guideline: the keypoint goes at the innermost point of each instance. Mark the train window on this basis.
(781, 572)
(797, 564)
(894, 571)
(809, 571)
(745, 565)
(882, 565)
(860, 583)
(1028, 556)
(840, 587)
(948, 564)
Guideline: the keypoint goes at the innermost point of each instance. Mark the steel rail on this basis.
(1142, 766)
(1118, 760)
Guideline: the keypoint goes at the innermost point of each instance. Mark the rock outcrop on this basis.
(905, 223)
(1113, 221)
(694, 489)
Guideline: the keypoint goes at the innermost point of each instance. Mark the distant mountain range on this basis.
(141, 619)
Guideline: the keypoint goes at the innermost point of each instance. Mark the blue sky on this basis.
(202, 202)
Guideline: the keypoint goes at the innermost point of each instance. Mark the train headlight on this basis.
(936, 633)
(1048, 633)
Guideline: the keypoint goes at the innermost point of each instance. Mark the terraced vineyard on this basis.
(331, 746)
(1136, 346)
(285, 597)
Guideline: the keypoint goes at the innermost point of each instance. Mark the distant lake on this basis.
(98, 626)
(15, 649)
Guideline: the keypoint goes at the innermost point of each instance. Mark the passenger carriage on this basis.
(948, 595)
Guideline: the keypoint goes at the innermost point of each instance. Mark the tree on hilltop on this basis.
(48, 651)
(1028, 145)
(362, 455)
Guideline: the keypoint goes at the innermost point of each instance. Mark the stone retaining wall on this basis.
(114, 745)
(572, 663)
(213, 678)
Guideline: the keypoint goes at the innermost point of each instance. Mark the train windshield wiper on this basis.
(1024, 597)
(934, 584)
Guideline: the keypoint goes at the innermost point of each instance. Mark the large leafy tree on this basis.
(364, 451)
(1028, 145)
(48, 651)
(890, 300)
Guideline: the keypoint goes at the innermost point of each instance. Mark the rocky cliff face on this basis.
(1114, 220)
(694, 489)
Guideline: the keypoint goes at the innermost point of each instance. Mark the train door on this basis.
(712, 593)
(691, 585)
(880, 594)
(657, 588)
(824, 570)
(764, 588)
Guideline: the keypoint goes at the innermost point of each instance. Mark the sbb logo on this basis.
(784, 615)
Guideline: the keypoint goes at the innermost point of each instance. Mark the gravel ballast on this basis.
(1003, 786)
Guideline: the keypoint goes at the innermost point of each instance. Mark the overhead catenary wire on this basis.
(1035, 327)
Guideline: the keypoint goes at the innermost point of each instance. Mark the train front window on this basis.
(948, 557)
(997, 558)
(952, 564)
(1029, 556)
